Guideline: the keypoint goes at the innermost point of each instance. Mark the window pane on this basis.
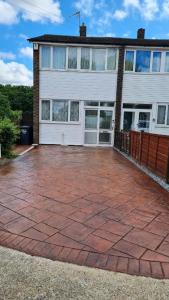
(129, 60)
(85, 58)
(167, 62)
(59, 57)
(74, 111)
(104, 138)
(45, 57)
(143, 61)
(72, 58)
(91, 103)
(45, 114)
(91, 119)
(105, 121)
(98, 59)
(111, 59)
(107, 104)
(161, 114)
(90, 137)
(60, 111)
(144, 120)
(168, 116)
(156, 62)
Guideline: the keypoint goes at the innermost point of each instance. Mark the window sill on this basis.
(146, 73)
(60, 123)
(161, 126)
(81, 71)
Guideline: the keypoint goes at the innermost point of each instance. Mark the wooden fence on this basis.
(150, 150)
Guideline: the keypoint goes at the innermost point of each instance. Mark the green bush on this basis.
(5, 109)
(9, 133)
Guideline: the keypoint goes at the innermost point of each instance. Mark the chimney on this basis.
(83, 30)
(140, 33)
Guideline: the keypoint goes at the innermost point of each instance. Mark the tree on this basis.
(4, 106)
(20, 97)
(9, 129)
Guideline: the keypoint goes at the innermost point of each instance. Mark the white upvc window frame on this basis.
(51, 111)
(136, 112)
(78, 69)
(162, 67)
(165, 125)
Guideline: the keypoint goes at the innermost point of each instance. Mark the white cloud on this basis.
(15, 74)
(85, 6)
(165, 8)
(110, 34)
(31, 10)
(132, 3)
(120, 15)
(7, 55)
(149, 9)
(8, 14)
(23, 36)
(26, 51)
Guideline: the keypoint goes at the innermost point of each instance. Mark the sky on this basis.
(22, 19)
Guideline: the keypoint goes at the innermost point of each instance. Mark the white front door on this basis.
(98, 129)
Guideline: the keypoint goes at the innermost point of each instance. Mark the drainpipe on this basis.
(119, 90)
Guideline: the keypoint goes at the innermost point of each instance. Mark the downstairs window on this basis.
(60, 111)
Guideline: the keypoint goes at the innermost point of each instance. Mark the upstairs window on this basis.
(59, 58)
(156, 64)
(143, 61)
(45, 57)
(111, 59)
(85, 58)
(98, 59)
(167, 62)
(163, 114)
(72, 58)
(129, 60)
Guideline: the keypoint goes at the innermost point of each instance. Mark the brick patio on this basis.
(85, 206)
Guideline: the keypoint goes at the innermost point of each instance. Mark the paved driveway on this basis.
(87, 206)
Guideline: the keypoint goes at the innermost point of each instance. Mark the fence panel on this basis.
(153, 150)
(150, 150)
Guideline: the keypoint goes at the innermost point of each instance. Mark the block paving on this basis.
(88, 206)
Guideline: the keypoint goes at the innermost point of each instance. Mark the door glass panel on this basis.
(90, 137)
(128, 120)
(104, 138)
(91, 119)
(144, 120)
(105, 121)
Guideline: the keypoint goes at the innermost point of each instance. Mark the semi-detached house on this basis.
(88, 88)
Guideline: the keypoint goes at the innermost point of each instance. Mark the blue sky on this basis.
(20, 19)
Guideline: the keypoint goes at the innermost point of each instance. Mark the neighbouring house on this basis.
(88, 88)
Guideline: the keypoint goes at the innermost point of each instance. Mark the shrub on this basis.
(4, 106)
(8, 135)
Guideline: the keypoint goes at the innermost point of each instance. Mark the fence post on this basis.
(167, 175)
(140, 146)
(129, 143)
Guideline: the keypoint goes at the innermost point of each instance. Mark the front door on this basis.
(98, 127)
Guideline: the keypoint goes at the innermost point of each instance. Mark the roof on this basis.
(49, 38)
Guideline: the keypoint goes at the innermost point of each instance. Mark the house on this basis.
(88, 88)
